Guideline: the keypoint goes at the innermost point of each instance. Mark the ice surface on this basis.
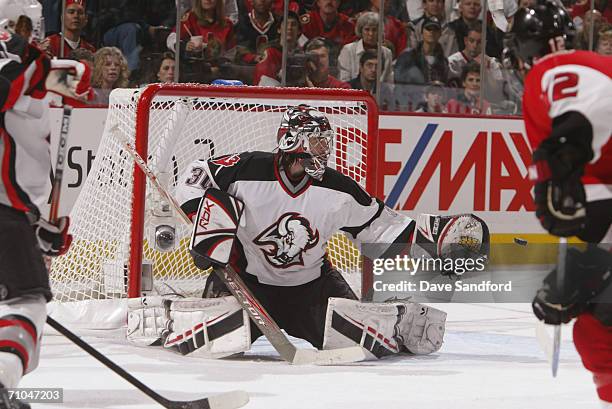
(490, 360)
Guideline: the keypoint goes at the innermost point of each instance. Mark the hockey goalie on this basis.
(271, 215)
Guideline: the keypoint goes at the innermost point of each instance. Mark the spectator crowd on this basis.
(433, 57)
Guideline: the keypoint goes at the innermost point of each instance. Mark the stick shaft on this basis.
(561, 261)
(60, 162)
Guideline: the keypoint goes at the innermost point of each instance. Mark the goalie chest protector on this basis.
(285, 227)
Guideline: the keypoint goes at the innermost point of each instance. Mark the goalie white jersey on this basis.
(285, 227)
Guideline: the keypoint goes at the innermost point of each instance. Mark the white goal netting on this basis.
(117, 212)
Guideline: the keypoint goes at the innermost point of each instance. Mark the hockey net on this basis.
(113, 254)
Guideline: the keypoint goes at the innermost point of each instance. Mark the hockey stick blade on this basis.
(556, 350)
(329, 356)
(544, 339)
(229, 400)
(550, 345)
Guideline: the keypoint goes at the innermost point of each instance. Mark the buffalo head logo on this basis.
(286, 239)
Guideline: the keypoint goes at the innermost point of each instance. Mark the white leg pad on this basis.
(383, 328)
(208, 327)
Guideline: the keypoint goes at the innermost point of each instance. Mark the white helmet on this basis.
(10, 10)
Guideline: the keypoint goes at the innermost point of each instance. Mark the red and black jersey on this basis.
(574, 81)
(286, 225)
(25, 162)
(222, 33)
(341, 32)
(270, 65)
(56, 39)
(253, 37)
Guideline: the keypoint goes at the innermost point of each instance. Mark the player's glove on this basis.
(559, 193)
(53, 238)
(70, 79)
(587, 274)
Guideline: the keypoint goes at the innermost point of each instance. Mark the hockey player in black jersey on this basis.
(293, 204)
(26, 75)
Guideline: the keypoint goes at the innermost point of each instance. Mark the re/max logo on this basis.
(488, 162)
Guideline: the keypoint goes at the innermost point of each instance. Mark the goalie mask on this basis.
(306, 132)
(10, 10)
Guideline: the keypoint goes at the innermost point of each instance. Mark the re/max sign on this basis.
(493, 162)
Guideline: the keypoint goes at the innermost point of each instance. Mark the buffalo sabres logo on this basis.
(284, 242)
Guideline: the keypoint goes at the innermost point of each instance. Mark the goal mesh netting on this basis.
(115, 216)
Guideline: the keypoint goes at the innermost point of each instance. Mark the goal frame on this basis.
(144, 104)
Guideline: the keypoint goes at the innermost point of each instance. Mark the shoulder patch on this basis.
(305, 18)
(226, 161)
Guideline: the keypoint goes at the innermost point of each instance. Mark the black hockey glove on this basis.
(587, 274)
(559, 194)
(53, 238)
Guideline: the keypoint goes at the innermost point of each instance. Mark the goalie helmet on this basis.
(537, 31)
(306, 132)
(10, 10)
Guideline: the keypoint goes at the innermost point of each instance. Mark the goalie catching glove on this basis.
(450, 237)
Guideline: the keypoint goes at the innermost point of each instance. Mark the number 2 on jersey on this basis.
(565, 85)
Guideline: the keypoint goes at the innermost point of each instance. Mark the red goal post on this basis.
(171, 125)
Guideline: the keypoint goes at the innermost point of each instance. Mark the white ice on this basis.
(490, 360)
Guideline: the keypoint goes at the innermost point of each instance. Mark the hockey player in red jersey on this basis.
(293, 204)
(26, 75)
(567, 105)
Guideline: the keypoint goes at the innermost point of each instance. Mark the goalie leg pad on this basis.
(208, 327)
(214, 228)
(383, 328)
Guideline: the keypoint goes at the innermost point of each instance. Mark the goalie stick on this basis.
(249, 302)
(228, 400)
